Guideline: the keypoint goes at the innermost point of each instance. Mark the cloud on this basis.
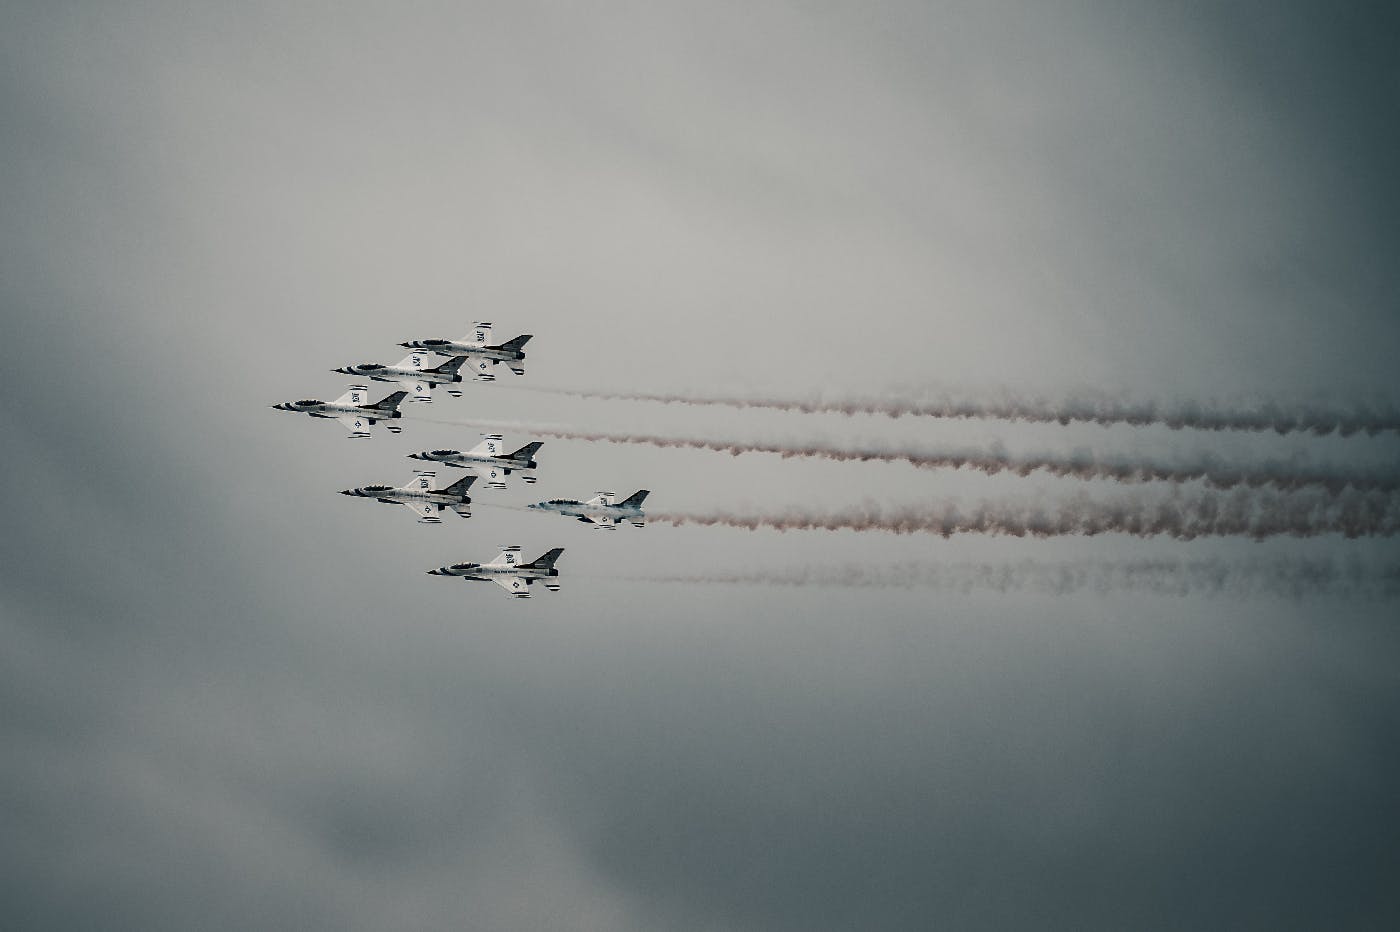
(231, 699)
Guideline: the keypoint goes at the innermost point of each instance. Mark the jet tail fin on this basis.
(461, 485)
(635, 499)
(518, 343)
(547, 559)
(389, 403)
(527, 452)
(451, 366)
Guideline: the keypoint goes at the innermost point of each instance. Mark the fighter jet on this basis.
(477, 345)
(601, 510)
(488, 458)
(422, 497)
(352, 410)
(414, 374)
(508, 572)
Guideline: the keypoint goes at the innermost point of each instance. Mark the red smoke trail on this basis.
(1284, 476)
(1241, 513)
(1261, 417)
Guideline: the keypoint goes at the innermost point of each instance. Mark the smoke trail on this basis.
(1241, 513)
(1082, 464)
(1288, 578)
(1199, 416)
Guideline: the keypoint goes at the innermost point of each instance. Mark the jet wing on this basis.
(425, 512)
(358, 426)
(604, 521)
(517, 586)
(418, 389)
(357, 395)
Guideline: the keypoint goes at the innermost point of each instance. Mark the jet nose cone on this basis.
(417, 456)
(347, 491)
(436, 573)
(344, 369)
(406, 345)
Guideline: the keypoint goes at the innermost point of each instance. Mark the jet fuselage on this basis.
(486, 571)
(603, 516)
(488, 464)
(454, 348)
(396, 374)
(462, 460)
(332, 409)
(395, 496)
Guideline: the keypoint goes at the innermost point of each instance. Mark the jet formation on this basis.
(419, 376)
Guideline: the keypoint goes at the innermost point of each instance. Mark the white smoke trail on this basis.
(1284, 577)
(1199, 416)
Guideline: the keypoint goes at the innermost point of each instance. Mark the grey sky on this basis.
(232, 699)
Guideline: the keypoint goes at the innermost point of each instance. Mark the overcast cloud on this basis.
(231, 698)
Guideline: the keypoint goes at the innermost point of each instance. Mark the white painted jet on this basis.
(414, 374)
(353, 410)
(489, 458)
(508, 572)
(422, 496)
(477, 345)
(601, 510)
